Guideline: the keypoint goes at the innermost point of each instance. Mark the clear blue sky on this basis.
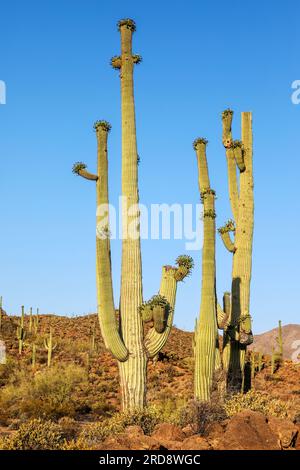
(198, 58)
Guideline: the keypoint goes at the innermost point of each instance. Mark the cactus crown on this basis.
(77, 167)
(199, 140)
(185, 261)
(102, 125)
(129, 23)
(227, 112)
(228, 227)
(237, 143)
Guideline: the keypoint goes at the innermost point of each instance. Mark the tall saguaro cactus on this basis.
(238, 332)
(206, 332)
(127, 340)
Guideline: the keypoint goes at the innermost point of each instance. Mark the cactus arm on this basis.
(106, 308)
(228, 243)
(231, 163)
(79, 169)
(154, 342)
(223, 314)
(239, 155)
(87, 175)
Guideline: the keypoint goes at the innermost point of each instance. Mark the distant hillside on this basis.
(291, 341)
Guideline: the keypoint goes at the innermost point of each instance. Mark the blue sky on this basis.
(198, 59)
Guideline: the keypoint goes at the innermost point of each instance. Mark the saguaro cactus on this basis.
(279, 340)
(36, 322)
(21, 333)
(1, 312)
(33, 355)
(206, 332)
(30, 320)
(238, 332)
(126, 340)
(49, 346)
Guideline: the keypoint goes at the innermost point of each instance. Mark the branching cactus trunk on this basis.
(126, 339)
(238, 334)
(206, 332)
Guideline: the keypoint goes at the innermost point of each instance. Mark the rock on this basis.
(168, 432)
(126, 441)
(248, 430)
(285, 430)
(195, 443)
(134, 431)
(188, 430)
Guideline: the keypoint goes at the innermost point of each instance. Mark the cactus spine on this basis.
(206, 333)
(49, 346)
(21, 334)
(126, 340)
(238, 334)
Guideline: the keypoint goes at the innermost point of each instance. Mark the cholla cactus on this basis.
(49, 346)
(127, 341)
(237, 237)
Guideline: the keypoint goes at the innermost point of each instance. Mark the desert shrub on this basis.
(256, 401)
(47, 394)
(97, 432)
(34, 435)
(7, 370)
(68, 427)
(200, 415)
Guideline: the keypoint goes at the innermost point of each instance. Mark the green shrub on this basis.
(200, 415)
(256, 401)
(34, 435)
(46, 394)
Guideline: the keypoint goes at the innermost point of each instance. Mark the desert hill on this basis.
(77, 398)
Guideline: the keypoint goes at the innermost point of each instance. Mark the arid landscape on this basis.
(75, 403)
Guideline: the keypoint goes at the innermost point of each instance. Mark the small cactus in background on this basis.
(21, 333)
(48, 343)
(279, 340)
(260, 361)
(253, 364)
(33, 355)
(93, 338)
(1, 312)
(36, 322)
(30, 320)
